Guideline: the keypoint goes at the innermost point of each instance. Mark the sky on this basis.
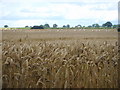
(19, 13)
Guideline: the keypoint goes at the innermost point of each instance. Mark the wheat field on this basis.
(60, 59)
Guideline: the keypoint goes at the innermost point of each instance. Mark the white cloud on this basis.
(20, 12)
(60, 0)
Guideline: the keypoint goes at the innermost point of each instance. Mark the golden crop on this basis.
(45, 64)
(48, 65)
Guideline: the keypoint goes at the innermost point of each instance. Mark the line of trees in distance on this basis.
(55, 26)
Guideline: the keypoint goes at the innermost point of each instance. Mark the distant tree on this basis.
(107, 24)
(5, 26)
(96, 25)
(76, 26)
(46, 26)
(42, 26)
(68, 26)
(79, 26)
(89, 26)
(103, 25)
(55, 25)
(64, 26)
(26, 26)
(37, 27)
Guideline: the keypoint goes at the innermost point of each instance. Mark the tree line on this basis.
(55, 26)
